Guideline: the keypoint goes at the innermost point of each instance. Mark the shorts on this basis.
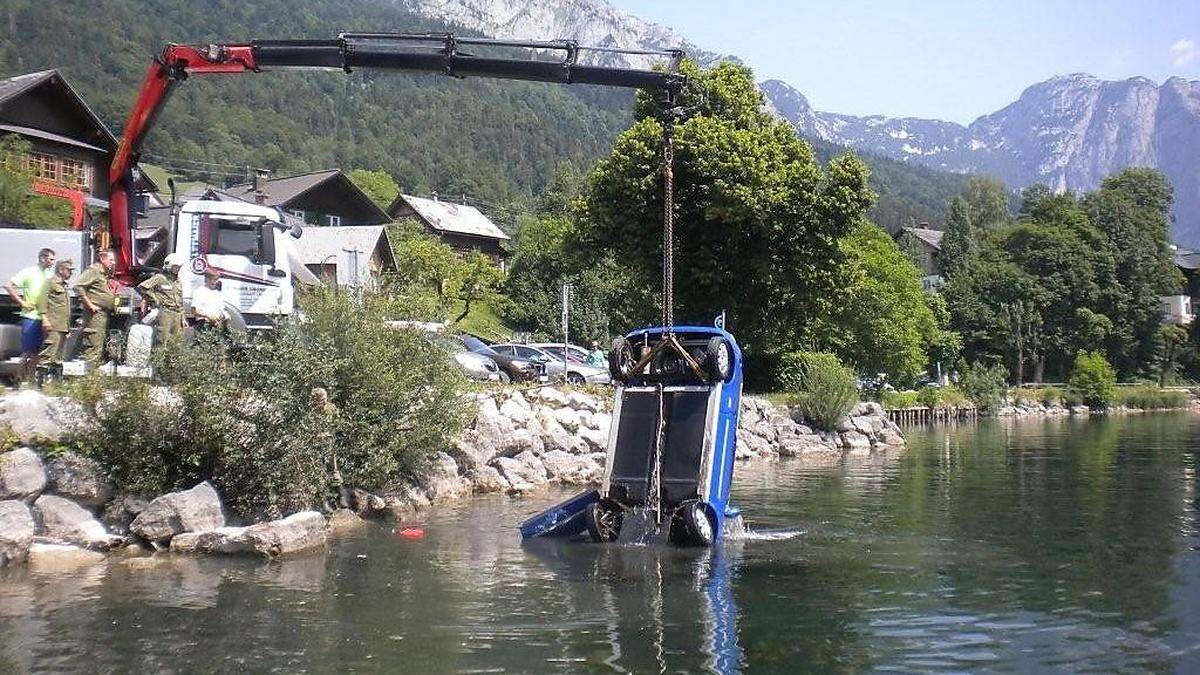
(31, 335)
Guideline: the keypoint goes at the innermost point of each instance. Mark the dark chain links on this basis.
(668, 319)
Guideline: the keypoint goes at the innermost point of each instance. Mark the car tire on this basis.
(505, 378)
(576, 380)
(603, 523)
(698, 528)
(620, 360)
(718, 359)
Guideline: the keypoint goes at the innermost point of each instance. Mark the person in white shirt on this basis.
(207, 303)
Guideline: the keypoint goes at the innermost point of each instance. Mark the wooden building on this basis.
(462, 227)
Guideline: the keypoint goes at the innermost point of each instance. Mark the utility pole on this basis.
(567, 289)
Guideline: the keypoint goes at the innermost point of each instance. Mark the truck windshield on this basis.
(229, 236)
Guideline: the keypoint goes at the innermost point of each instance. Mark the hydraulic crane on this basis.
(418, 53)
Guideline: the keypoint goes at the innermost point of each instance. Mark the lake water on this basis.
(1030, 546)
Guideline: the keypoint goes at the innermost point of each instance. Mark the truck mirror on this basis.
(266, 244)
(295, 230)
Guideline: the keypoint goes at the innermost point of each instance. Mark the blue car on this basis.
(670, 447)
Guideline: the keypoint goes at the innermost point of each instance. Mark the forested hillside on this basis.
(497, 141)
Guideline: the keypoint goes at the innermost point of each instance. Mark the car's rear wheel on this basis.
(505, 378)
(718, 359)
(620, 360)
(603, 522)
(575, 379)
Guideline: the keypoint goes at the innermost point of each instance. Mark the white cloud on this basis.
(1184, 52)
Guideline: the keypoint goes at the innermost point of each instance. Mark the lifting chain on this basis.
(668, 314)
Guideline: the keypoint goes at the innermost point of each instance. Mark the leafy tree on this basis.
(883, 322)
(1132, 209)
(984, 384)
(15, 180)
(757, 220)
(1171, 341)
(961, 238)
(987, 201)
(1093, 379)
(476, 279)
(378, 185)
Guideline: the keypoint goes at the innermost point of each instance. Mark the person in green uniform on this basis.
(165, 293)
(55, 308)
(98, 304)
(26, 288)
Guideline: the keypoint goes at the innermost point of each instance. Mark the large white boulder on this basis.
(37, 417)
(45, 558)
(64, 520)
(194, 510)
(568, 418)
(442, 481)
(17, 528)
(81, 479)
(22, 474)
(568, 468)
(298, 532)
(523, 472)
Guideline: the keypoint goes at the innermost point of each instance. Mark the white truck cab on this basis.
(250, 247)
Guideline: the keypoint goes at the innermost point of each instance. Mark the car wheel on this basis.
(576, 380)
(718, 359)
(505, 378)
(603, 523)
(620, 360)
(697, 526)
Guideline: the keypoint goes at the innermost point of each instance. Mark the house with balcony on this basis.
(1179, 309)
(462, 227)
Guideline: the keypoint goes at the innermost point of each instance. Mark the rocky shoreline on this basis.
(60, 508)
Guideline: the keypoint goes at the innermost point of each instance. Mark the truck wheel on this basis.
(718, 359)
(620, 360)
(603, 523)
(697, 526)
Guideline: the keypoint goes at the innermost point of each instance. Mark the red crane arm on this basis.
(429, 53)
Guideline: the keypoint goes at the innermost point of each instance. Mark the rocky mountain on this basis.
(592, 23)
(1068, 132)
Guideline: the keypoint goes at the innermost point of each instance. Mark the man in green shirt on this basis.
(55, 308)
(98, 304)
(27, 288)
(164, 291)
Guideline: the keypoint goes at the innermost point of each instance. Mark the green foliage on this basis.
(900, 400)
(1093, 379)
(15, 180)
(379, 186)
(825, 389)
(987, 202)
(436, 280)
(247, 413)
(8, 438)
(985, 385)
(757, 221)
(961, 238)
(1171, 342)
(1147, 397)
(883, 321)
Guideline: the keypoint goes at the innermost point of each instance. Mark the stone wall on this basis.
(518, 441)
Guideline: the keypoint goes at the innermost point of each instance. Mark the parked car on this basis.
(474, 366)
(578, 373)
(512, 368)
(575, 353)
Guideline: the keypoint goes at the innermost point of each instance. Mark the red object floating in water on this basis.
(410, 533)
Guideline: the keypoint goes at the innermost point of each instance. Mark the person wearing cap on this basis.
(26, 288)
(207, 303)
(165, 293)
(55, 308)
(99, 301)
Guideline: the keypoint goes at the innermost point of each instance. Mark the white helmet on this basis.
(173, 260)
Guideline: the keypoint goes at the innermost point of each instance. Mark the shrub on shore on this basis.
(1150, 397)
(985, 385)
(1093, 380)
(899, 400)
(825, 389)
(270, 418)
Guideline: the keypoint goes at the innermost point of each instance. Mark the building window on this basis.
(299, 213)
(335, 221)
(63, 171)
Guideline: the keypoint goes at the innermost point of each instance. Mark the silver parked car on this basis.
(474, 366)
(578, 370)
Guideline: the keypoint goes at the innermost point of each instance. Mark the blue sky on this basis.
(936, 58)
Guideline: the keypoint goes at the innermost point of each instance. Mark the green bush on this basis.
(267, 417)
(984, 385)
(898, 400)
(1051, 395)
(825, 388)
(929, 396)
(952, 397)
(1093, 379)
(1150, 397)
